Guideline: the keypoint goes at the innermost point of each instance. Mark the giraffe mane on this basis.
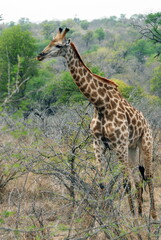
(95, 75)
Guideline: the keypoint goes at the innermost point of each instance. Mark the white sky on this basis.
(40, 10)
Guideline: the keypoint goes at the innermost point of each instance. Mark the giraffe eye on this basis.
(58, 46)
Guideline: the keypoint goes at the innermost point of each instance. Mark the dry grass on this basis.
(42, 203)
(39, 206)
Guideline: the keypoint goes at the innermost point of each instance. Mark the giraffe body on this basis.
(116, 124)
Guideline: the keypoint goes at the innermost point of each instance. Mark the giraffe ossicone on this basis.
(116, 124)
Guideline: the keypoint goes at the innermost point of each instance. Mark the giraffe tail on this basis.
(142, 171)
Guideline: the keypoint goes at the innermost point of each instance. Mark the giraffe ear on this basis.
(67, 42)
(60, 30)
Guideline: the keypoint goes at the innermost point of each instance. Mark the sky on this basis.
(40, 10)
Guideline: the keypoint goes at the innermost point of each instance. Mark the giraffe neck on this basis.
(94, 87)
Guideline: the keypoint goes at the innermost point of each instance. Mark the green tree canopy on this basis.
(141, 49)
(17, 51)
(155, 82)
(88, 37)
(100, 34)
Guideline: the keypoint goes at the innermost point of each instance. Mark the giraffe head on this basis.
(57, 47)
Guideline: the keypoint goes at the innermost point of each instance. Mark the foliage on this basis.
(141, 49)
(88, 37)
(60, 181)
(156, 81)
(66, 90)
(84, 24)
(49, 179)
(151, 29)
(124, 88)
(100, 34)
(111, 49)
(153, 32)
(17, 48)
(48, 28)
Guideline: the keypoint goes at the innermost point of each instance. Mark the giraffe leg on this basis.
(128, 180)
(99, 150)
(133, 163)
(146, 149)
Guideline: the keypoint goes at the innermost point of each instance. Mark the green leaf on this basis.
(7, 214)
(2, 220)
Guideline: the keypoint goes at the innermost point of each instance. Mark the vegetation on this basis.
(112, 46)
(49, 185)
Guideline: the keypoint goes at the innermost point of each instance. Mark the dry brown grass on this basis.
(39, 205)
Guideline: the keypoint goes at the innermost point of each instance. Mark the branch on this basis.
(14, 92)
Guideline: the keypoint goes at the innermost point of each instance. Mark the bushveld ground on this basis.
(49, 182)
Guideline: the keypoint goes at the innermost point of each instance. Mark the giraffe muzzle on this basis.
(41, 56)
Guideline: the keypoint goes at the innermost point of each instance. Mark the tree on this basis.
(66, 90)
(155, 82)
(88, 37)
(100, 34)
(17, 50)
(48, 28)
(84, 24)
(141, 49)
(152, 30)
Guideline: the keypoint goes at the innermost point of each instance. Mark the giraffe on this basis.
(116, 124)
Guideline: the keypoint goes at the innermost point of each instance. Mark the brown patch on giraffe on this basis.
(97, 127)
(125, 102)
(111, 115)
(80, 71)
(121, 116)
(102, 91)
(130, 113)
(118, 133)
(140, 130)
(87, 95)
(113, 104)
(89, 90)
(72, 70)
(94, 94)
(131, 131)
(82, 81)
(89, 77)
(103, 121)
(99, 102)
(134, 121)
(84, 71)
(96, 82)
(77, 78)
(72, 62)
(107, 98)
(93, 86)
(76, 64)
(100, 84)
(138, 123)
(110, 95)
(83, 88)
(109, 127)
(114, 145)
(117, 95)
(121, 106)
(128, 118)
(112, 137)
(116, 100)
(118, 122)
(123, 128)
(74, 75)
